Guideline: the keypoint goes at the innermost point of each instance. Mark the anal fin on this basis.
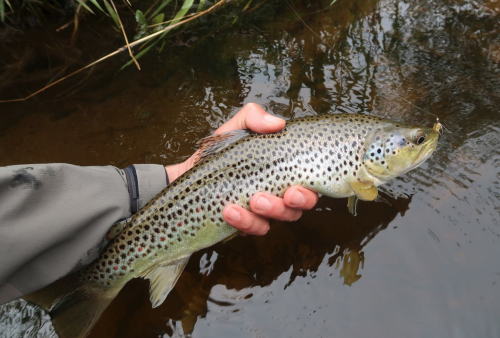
(162, 279)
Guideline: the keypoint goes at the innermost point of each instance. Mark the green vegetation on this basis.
(144, 24)
(31, 12)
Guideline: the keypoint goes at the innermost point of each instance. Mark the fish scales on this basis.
(298, 155)
(338, 155)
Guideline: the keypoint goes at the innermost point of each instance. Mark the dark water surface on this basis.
(426, 264)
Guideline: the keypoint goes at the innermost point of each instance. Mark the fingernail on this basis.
(271, 119)
(297, 198)
(262, 204)
(233, 215)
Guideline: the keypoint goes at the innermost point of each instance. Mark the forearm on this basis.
(176, 170)
(54, 218)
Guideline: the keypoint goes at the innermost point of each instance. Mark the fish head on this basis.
(396, 149)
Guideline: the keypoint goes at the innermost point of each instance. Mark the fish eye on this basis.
(419, 137)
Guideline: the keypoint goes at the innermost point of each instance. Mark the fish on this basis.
(337, 155)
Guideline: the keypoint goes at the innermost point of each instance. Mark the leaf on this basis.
(85, 6)
(97, 5)
(141, 20)
(111, 12)
(200, 6)
(160, 8)
(142, 25)
(158, 19)
(144, 51)
(185, 7)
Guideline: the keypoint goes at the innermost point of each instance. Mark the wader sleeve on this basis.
(54, 217)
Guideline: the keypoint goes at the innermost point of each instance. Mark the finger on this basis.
(300, 198)
(273, 207)
(253, 117)
(245, 220)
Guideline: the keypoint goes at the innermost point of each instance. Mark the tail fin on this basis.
(73, 306)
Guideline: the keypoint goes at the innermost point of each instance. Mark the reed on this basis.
(154, 21)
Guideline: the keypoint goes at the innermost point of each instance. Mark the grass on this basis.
(154, 21)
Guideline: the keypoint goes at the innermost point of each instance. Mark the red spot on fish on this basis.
(179, 224)
(116, 268)
(140, 249)
(162, 239)
(197, 209)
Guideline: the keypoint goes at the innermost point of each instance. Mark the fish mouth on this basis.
(425, 153)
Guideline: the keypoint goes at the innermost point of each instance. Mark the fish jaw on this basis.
(395, 149)
(425, 153)
(326, 154)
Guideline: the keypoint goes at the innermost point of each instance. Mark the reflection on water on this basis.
(433, 271)
(290, 250)
(23, 319)
(350, 266)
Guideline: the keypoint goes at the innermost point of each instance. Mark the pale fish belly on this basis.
(329, 154)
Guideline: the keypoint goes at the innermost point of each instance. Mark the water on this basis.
(424, 264)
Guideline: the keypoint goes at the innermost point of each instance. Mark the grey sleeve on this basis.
(54, 218)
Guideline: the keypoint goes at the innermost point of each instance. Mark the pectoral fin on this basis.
(352, 201)
(364, 190)
(162, 279)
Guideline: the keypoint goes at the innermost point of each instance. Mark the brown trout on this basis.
(343, 155)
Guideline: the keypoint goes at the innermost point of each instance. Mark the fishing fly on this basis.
(438, 127)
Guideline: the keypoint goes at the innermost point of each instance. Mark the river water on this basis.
(423, 264)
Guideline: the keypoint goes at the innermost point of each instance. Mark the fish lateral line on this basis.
(337, 155)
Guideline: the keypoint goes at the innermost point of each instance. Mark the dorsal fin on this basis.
(213, 144)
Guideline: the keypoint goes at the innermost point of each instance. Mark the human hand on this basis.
(264, 206)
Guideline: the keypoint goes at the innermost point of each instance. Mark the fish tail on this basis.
(73, 305)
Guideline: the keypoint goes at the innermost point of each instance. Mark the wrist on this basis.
(174, 171)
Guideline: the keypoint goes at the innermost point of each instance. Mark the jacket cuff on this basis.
(144, 181)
